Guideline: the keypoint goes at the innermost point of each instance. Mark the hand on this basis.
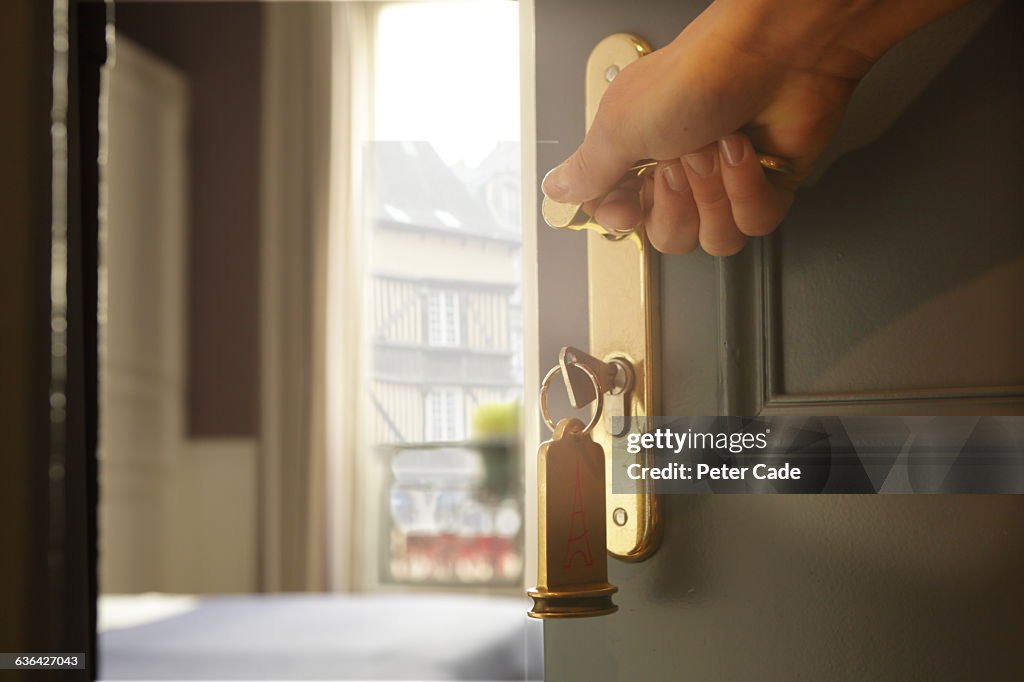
(733, 81)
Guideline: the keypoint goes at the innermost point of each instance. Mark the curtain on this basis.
(316, 72)
(344, 333)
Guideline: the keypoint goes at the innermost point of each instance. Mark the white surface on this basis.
(128, 610)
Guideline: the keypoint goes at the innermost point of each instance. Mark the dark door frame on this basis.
(48, 346)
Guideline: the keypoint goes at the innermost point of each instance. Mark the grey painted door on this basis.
(895, 286)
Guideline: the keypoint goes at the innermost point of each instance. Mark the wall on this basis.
(178, 513)
(218, 47)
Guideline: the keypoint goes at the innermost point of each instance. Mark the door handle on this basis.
(572, 216)
(606, 61)
(624, 332)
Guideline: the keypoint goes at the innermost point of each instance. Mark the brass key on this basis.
(615, 379)
(572, 571)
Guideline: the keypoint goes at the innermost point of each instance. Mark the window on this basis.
(502, 195)
(443, 322)
(444, 415)
(440, 210)
(516, 340)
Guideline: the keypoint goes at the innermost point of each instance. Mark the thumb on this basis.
(595, 167)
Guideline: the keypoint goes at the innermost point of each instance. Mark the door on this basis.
(894, 287)
(142, 394)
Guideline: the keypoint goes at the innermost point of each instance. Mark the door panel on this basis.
(903, 268)
(894, 287)
(811, 588)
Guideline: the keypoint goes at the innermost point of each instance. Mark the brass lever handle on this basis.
(571, 216)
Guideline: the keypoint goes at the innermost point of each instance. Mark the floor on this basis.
(318, 637)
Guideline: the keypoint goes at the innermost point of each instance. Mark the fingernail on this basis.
(702, 162)
(555, 184)
(675, 177)
(621, 227)
(732, 149)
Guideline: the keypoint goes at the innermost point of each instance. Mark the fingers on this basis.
(673, 221)
(594, 168)
(718, 234)
(715, 197)
(758, 206)
(620, 210)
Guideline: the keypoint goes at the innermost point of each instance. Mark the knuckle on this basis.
(748, 193)
(713, 202)
(581, 161)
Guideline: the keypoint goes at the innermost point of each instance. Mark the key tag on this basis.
(572, 575)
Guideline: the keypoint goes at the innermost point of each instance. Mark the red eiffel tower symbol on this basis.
(578, 542)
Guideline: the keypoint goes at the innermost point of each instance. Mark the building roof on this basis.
(415, 189)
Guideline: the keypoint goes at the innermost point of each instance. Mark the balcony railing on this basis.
(453, 514)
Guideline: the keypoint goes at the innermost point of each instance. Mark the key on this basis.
(615, 380)
(572, 574)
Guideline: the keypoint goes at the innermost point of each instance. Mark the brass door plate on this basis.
(623, 284)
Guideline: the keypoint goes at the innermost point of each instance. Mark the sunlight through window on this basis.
(445, 380)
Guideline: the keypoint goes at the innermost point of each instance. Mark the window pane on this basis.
(444, 235)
